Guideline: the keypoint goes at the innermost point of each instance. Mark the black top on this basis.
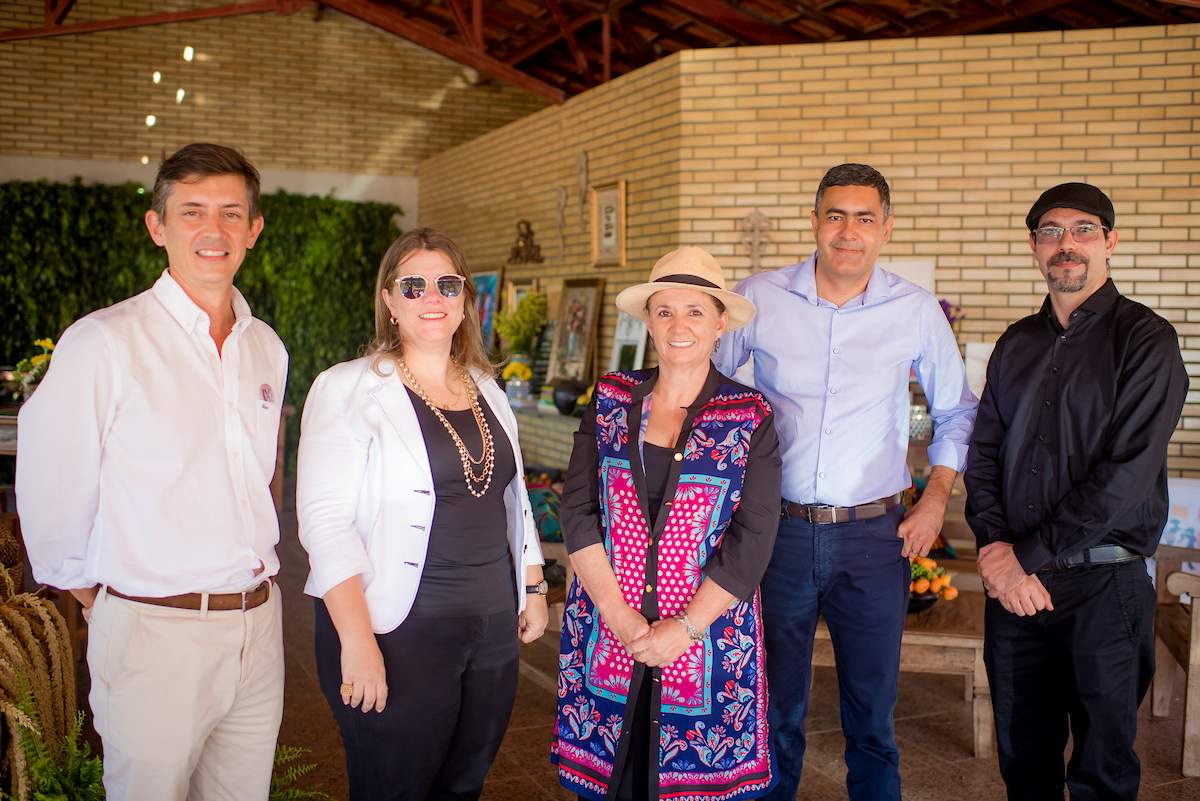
(656, 462)
(468, 568)
(1070, 442)
(740, 561)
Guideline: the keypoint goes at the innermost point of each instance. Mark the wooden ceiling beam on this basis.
(810, 12)
(57, 10)
(568, 33)
(389, 19)
(663, 30)
(477, 22)
(460, 22)
(144, 20)
(981, 22)
(733, 22)
(1188, 3)
(535, 46)
(1151, 10)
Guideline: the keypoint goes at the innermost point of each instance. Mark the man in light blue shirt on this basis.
(834, 341)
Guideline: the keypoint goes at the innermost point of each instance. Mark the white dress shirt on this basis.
(364, 489)
(145, 456)
(838, 379)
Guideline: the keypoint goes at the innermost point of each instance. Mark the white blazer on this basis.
(364, 492)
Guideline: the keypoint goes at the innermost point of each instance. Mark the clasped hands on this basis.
(654, 644)
(1005, 580)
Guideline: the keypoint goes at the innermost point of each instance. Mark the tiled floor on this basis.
(933, 726)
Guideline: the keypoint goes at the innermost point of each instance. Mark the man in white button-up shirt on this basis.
(146, 456)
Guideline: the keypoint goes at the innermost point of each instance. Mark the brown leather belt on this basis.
(820, 514)
(217, 601)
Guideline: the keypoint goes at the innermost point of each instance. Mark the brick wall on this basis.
(546, 438)
(311, 91)
(629, 128)
(968, 131)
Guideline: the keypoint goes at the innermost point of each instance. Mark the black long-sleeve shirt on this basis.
(1070, 443)
(738, 565)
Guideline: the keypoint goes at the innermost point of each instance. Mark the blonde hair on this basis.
(466, 349)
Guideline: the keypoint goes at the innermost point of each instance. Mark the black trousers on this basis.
(1086, 666)
(451, 686)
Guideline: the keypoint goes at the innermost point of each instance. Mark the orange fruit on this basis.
(927, 563)
(911, 584)
(921, 586)
(946, 579)
(950, 593)
(936, 584)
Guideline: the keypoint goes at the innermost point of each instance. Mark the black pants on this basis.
(451, 686)
(1086, 665)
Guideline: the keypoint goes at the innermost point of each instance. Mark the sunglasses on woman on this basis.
(414, 286)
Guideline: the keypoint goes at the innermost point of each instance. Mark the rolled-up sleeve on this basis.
(745, 549)
(943, 378)
(331, 466)
(582, 523)
(60, 438)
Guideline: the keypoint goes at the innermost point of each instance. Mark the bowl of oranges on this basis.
(929, 582)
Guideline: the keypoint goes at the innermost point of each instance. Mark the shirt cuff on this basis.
(329, 575)
(730, 583)
(944, 453)
(1032, 554)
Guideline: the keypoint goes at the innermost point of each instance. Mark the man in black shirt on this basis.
(1066, 493)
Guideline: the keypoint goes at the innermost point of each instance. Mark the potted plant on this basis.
(519, 328)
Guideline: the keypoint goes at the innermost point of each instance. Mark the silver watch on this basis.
(541, 588)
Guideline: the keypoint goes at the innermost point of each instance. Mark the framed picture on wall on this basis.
(487, 299)
(608, 224)
(575, 330)
(517, 288)
(629, 344)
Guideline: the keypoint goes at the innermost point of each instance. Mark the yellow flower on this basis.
(44, 344)
(39, 358)
(517, 370)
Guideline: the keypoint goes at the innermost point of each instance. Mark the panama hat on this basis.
(689, 267)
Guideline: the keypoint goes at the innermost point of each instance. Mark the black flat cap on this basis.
(1083, 197)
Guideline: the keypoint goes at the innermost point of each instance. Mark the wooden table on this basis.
(945, 639)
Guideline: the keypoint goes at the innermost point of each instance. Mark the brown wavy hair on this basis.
(466, 349)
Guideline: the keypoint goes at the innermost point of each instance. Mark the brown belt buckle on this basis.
(810, 509)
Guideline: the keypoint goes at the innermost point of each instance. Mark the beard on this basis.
(1066, 283)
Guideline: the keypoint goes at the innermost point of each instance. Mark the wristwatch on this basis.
(541, 588)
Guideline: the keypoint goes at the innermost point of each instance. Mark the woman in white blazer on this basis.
(424, 557)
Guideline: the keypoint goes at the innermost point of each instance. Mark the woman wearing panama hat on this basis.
(669, 512)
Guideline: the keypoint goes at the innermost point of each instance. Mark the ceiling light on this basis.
(150, 120)
(179, 95)
(156, 77)
(145, 159)
(188, 53)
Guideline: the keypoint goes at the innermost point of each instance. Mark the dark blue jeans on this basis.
(852, 574)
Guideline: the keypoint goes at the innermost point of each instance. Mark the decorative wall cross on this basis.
(754, 228)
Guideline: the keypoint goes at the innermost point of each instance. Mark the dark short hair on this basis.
(857, 175)
(202, 160)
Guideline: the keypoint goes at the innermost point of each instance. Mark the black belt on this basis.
(1100, 555)
(821, 514)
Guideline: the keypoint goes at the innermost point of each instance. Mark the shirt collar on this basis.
(1098, 302)
(710, 386)
(804, 283)
(185, 311)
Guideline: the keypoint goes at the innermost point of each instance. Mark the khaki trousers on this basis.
(187, 702)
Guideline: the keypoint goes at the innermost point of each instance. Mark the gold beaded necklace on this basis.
(488, 457)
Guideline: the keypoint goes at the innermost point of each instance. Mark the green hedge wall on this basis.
(68, 249)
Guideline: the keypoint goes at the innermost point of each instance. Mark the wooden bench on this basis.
(1177, 630)
(945, 639)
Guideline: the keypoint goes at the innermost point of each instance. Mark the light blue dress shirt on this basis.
(838, 379)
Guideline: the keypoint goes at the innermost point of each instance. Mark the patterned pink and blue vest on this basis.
(709, 707)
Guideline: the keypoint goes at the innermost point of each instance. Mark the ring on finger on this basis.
(346, 689)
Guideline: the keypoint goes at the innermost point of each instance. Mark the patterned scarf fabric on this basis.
(712, 718)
